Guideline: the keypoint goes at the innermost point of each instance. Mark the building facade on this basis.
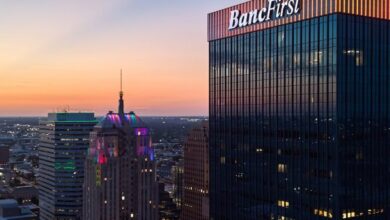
(177, 172)
(120, 181)
(64, 141)
(5, 171)
(300, 109)
(195, 205)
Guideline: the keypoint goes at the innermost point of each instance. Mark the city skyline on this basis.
(54, 55)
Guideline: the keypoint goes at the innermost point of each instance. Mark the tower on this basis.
(64, 141)
(120, 178)
(300, 110)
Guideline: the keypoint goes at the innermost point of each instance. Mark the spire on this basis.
(121, 105)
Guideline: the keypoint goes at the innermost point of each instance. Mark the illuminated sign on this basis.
(275, 9)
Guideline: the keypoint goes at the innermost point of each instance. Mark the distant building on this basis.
(177, 176)
(195, 205)
(167, 208)
(5, 144)
(10, 210)
(25, 195)
(120, 181)
(64, 142)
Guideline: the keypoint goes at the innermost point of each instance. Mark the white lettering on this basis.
(243, 20)
(278, 13)
(261, 14)
(297, 9)
(234, 19)
(253, 17)
(284, 4)
(290, 9)
(275, 9)
(271, 8)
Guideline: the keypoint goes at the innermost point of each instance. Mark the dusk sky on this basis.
(56, 53)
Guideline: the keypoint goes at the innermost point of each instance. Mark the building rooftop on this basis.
(8, 203)
(71, 117)
(118, 121)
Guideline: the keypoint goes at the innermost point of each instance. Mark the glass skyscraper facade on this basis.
(299, 118)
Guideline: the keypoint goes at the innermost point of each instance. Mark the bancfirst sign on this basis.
(274, 10)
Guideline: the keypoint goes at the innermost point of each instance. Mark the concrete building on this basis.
(120, 170)
(64, 141)
(195, 205)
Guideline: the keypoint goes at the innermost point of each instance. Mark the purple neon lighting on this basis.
(146, 151)
(115, 119)
(141, 131)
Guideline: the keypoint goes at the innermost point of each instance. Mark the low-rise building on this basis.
(10, 209)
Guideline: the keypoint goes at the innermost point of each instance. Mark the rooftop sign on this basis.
(256, 15)
(274, 10)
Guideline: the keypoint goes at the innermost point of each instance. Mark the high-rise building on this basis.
(64, 141)
(300, 110)
(177, 172)
(120, 180)
(195, 205)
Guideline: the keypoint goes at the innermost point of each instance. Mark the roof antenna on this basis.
(121, 105)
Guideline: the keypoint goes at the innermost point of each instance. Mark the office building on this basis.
(64, 141)
(195, 205)
(300, 110)
(10, 210)
(120, 170)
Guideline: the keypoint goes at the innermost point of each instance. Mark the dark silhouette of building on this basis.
(5, 144)
(300, 110)
(168, 210)
(195, 205)
(10, 210)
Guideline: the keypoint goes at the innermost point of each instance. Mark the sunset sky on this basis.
(58, 53)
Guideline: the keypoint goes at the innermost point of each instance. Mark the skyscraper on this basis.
(177, 177)
(195, 204)
(120, 181)
(300, 110)
(64, 141)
